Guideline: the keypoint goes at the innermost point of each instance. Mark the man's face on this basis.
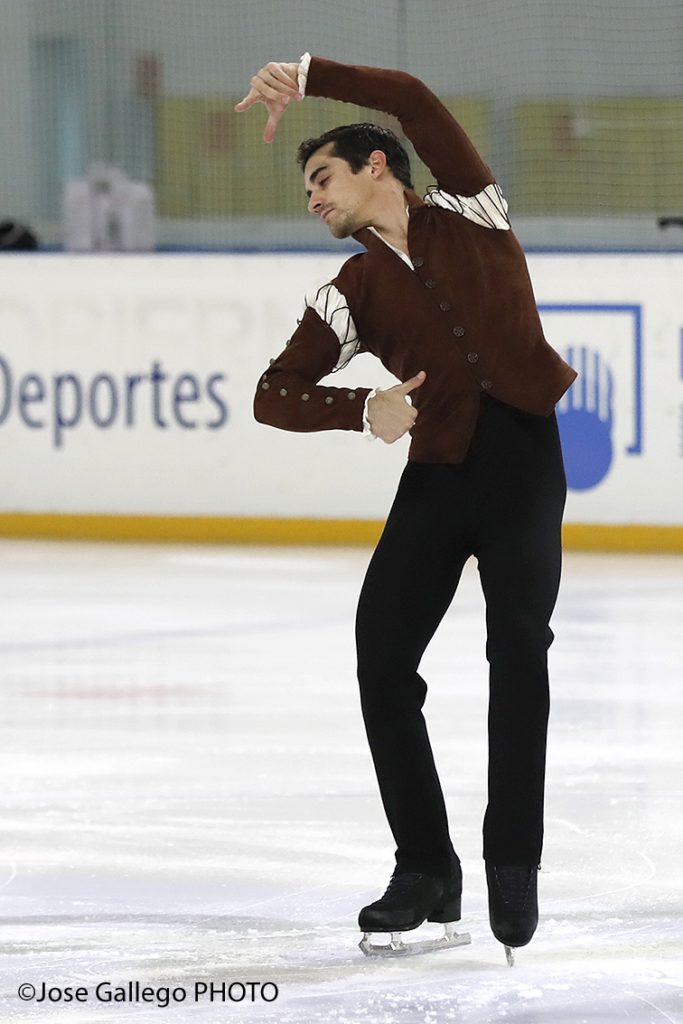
(335, 193)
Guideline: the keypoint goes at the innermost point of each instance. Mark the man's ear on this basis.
(378, 162)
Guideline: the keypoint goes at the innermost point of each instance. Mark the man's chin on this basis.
(340, 228)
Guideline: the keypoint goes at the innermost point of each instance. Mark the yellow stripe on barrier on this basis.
(191, 529)
(602, 537)
(217, 530)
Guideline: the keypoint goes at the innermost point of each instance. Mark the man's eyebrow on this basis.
(316, 172)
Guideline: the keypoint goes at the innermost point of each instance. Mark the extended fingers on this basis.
(275, 112)
(249, 100)
(274, 83)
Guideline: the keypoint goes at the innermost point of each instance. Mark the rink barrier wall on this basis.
(271, 531)
(127, 387)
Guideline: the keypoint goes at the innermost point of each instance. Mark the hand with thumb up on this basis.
(389, 412)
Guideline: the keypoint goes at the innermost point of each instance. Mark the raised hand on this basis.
(389, 413)
(275, 85)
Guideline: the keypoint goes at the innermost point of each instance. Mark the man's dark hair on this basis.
(355, 142)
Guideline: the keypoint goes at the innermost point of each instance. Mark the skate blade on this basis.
(510, 956)
(397, 947)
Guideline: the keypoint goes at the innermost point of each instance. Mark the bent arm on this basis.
(439, 140)
(288, 395)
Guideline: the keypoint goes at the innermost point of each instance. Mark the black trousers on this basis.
(503, 505)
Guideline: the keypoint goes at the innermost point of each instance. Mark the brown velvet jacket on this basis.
(466, 314)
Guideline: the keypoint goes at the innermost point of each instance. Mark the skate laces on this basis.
(402, 882)
(514, 884)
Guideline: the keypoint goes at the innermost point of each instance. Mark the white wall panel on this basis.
(126, 386)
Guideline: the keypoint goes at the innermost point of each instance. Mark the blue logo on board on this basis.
(587, 420)
(601, 416)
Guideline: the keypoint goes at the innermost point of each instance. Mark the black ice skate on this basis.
(410, 899)
(513, 905)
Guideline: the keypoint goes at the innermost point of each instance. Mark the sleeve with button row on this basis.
(438, 138)
(288, 395)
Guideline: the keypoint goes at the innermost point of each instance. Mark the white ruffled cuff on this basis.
(367, 429)
(304, 65)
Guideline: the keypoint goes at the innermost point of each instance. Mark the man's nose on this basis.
(314, 203)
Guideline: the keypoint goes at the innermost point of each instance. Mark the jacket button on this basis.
(329, 400)
(283, 392)
(418, 261)
(265, 386)
(444, 306)
(472, 357)
(304, 398)
(487, 384)
(429, 283)
(458, 331)
(351, 394)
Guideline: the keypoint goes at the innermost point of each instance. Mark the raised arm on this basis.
(438, 138)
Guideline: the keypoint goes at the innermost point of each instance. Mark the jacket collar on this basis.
(412, 198)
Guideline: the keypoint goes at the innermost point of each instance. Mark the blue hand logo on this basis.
(585, 418)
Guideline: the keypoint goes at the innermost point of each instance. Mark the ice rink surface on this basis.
(188, 797)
